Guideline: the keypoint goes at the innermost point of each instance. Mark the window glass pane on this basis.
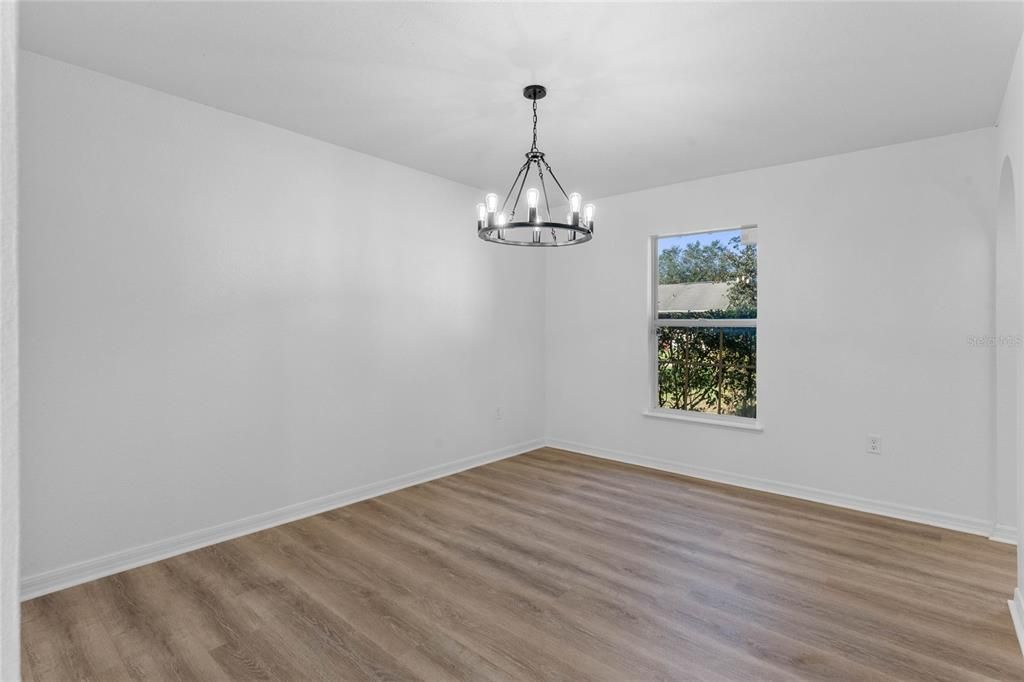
(708, 369)
(708, 275)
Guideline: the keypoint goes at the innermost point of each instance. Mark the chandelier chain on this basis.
(534, 147)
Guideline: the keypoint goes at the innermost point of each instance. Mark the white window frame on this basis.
(654, 323)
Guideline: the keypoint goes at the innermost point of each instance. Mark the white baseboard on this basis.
(898, 511)
(91, 569)
(1017, 614)
(1004, 533)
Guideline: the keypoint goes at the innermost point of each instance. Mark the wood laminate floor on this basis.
(550, 565)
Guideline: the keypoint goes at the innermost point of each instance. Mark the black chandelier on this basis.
(500, 225)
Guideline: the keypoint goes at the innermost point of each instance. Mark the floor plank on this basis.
(550, 565)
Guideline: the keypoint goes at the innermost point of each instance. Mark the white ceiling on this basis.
(639, 94)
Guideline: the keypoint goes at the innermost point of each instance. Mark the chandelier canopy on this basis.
(499, 225)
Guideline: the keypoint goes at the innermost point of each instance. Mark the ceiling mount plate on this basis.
(534, 92)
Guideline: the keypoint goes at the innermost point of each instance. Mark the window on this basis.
(704, 316)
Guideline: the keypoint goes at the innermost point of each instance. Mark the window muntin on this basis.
(704, 312)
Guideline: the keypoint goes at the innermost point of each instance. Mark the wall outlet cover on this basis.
(874, 445)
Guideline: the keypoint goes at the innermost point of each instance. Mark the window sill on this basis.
(740, 423)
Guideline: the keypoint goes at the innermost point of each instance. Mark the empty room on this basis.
(511, 341)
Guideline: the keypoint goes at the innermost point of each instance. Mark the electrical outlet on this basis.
(874, 445)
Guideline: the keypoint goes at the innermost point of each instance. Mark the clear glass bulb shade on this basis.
(574, 202)
(492, 202)
(588, 213)
(532, 197)
(501, 219)
(481, 212)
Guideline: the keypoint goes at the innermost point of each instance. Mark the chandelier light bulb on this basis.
(575, 200)
(588, 215)
(492, 202)
(532, 197)
(481, 216)
(501, 219)
(574, 208)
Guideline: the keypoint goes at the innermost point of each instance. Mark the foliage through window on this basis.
(705, 318)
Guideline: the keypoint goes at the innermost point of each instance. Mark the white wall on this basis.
(222, 318)
(10, 613)
(1008, 299)
(875, 268)
(1010, 147)
(1006, 355)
